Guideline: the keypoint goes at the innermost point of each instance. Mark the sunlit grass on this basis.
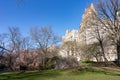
(71, 74)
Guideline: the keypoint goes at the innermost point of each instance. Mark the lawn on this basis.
(71, 74)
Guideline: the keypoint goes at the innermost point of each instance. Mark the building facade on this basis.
(90, 31)
(71, 35)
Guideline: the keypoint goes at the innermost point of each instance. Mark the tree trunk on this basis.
(96, 58)
(118, 53)
(10, 64)
(102, 50)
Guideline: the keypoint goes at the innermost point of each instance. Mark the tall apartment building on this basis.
(88, 32)
(71, 35)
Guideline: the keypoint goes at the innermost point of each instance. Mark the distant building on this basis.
(91, 30)
(88, 32)
(68, 42)
(71, 35)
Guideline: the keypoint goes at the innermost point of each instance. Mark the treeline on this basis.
(38, 51)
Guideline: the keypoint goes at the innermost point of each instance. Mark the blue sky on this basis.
(60, 14)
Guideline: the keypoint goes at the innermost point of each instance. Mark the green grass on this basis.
(72, 74)
(92, 63)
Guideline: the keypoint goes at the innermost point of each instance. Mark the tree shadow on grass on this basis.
(30, 75)
(101, 71)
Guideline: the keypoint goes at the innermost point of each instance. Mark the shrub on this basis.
(50, 62)
(23, 68)
(68, 62)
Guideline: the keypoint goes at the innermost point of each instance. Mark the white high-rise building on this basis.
(71, 35)
(88, 33)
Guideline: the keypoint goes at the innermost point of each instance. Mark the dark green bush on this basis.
(2, 66)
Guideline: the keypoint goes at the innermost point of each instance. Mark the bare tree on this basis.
(3, 50)
(71, 47)
(108, 16)
(14, 46)
(2, 43)
(26, 43)
(99, 35)
(44, 38)
(90, 51)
